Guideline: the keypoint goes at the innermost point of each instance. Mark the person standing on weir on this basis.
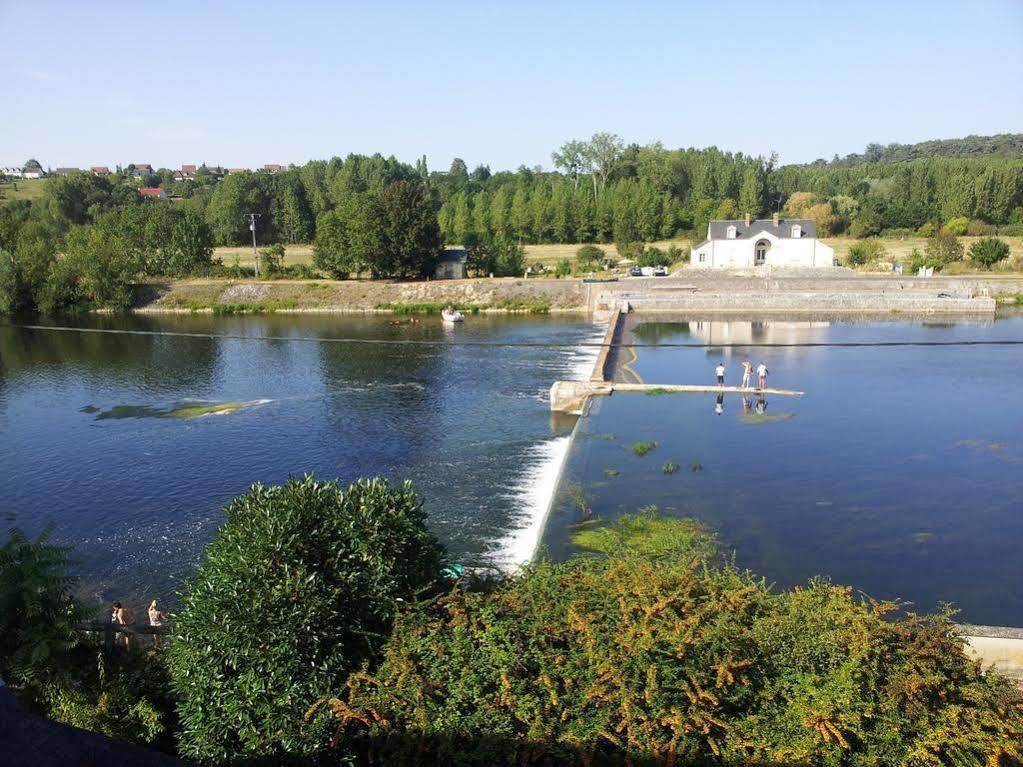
(762, 374)
(719, 371)
(747, 372)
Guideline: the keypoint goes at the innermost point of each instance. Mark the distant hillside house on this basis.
(32, 169)
(11, 172)
(100, 170)
(232, 171)
(764, 242)
(67, 171)
(143, 169)
(274, 168)
(452, 265)
(153, 193)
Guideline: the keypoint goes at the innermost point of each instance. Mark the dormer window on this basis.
(797, 230)
(730, 233)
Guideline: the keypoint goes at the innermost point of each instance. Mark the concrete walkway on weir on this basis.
(570, 396)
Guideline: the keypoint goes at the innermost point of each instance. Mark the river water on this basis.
(900, 472)
(85, 441)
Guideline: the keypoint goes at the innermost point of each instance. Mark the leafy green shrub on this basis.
(670, 655)
(989, 251)
(95, 272)
(918, 262)
(37, 614)
(926, 229)
(297, 590)
(563, 268)
(956, 226)
(271, 259)
(126, 696)
(651, 256)
(866, 252)
(588, 255)
(944, 247)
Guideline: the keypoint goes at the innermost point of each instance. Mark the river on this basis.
(87, 445)
(900, 472)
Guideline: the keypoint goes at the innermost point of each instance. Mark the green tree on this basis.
(95, 272)
(37, 613)
(412, 238)
(944, 247)
(988, 251)
(866, 252)
(957, 226)
(297, 590)
(751, 195)
(519, 218)
(350, 238)
(23, 270)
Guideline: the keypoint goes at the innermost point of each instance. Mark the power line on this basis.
(513, 344)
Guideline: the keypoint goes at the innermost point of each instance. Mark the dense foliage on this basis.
(374, 214)
(37, 615)
(989, 251)
(297, 590)
(669, 655)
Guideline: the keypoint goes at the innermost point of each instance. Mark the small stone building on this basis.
(452, 265)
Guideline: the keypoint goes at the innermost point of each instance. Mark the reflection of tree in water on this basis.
(161, 362)
(656, 332)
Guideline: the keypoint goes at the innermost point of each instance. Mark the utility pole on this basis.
(252, 228)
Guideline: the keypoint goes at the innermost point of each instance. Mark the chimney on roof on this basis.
(747, 220)
(776, 220)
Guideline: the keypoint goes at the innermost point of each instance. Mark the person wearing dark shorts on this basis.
(719, 371)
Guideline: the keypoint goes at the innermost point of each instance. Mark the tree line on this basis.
(378, 216)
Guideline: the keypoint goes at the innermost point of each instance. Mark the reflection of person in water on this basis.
(719, 406)
(746, 405)
(761, 404)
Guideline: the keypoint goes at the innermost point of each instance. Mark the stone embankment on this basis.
(789, 291)
(792, 291)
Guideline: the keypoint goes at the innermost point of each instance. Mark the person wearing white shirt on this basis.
(719, 371)
(762, 374)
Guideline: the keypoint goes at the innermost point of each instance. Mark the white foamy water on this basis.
(533, 491)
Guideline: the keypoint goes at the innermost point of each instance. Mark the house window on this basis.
(797, 230)
(730, 233)
(703, 257)
(761, 252)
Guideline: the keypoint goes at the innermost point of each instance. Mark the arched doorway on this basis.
(760, 252)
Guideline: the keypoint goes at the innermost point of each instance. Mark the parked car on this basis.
(647, 271)
(660, 271)
(636, 271)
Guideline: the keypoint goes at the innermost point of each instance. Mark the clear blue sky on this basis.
(242, 84)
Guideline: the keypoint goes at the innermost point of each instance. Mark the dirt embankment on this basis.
(364, 295)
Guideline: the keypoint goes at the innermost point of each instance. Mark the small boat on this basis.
(452, 315)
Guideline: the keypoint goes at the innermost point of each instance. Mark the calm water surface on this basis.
(82, 444)
(900, 472)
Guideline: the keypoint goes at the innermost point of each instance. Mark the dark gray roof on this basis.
(453, 256)
(719, 229)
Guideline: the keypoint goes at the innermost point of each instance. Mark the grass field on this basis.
(898, 251)
(294, 255)
(23, 189)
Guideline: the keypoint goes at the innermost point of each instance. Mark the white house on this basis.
(764, 242)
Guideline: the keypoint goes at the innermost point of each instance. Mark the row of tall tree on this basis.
(601, 190)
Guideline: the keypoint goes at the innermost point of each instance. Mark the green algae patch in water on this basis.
(181, 411)
(196, 411)
(648, 534)
(755, 418)
(611, 472)
(642, 448)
